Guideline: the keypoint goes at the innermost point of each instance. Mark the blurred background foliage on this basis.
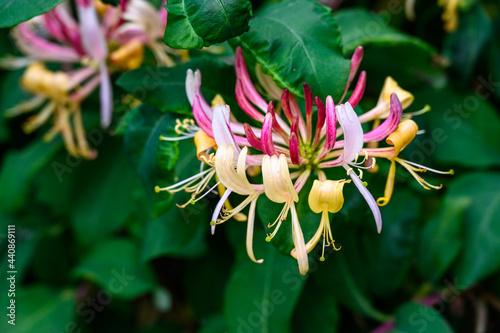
(98, 251)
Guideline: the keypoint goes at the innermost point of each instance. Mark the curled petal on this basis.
(218, 208)
(40, 48)
(248, 88)
(321, 113)
(369, 200)
(201, 118)
(193, 84)
(294, 149)
(356, 59)
(252, 138)
(390, 124)
(358, 90)
(249, 238)
(106, 95)
(93, 39)
(267, 136)
(353, 132)
(220, 127)
(245, 104)
(276, 126)
(309, 101)
(285, 104)
(299, 243)
(331, 124)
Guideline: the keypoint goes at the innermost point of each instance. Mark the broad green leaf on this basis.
(13, 12)
(475, 31)
(388, 52)
(441, 239)
(214, 324)
(348, 270)
(316, 311)
(116, 266)
(337, 279)
(18, 170)
(215, 266)
(261, 297)
(180, 232)
(152, 159)
(39, 308)
(165, 88)
(295, 42)
(390, 254)
(103, 198)
(195, 24)
(461, 129)
(26, 242)
(51, 242)
(416, 318)
(481, 234)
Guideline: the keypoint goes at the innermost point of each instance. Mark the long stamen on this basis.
(412, 170)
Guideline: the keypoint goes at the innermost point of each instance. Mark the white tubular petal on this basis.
(276, 177)
(90, 30)
(190, 86)
(218, 208)
(106, 95)
(249, 240)
(221, 129)
(299, 243)
(285, 176)
(224, 166)
(369, 200)
(353, 132)
(241, 170)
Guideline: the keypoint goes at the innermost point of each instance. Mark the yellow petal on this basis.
(403, 135)
(203, 142)
(326, 195)
(391, 86)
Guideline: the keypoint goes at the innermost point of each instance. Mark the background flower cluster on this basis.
(97, 250)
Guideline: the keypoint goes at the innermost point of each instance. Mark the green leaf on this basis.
(214, 324)
(295, 42)
(389, 254)
(18, 170)
(316, 311)
(261, 297)
(441, 239)
(165, 88)
(349, 269)
(104, 193)
(41, 309)
(337, 279)
(462, 129)
(481, 233)
(416, 318)
(116, 266)
(178, 233)
(195, 24)
(407, 58)
(152, 159)
(17, 11)
(475, 30)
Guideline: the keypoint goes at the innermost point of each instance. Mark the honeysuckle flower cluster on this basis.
(291, 147)
(101, 40)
